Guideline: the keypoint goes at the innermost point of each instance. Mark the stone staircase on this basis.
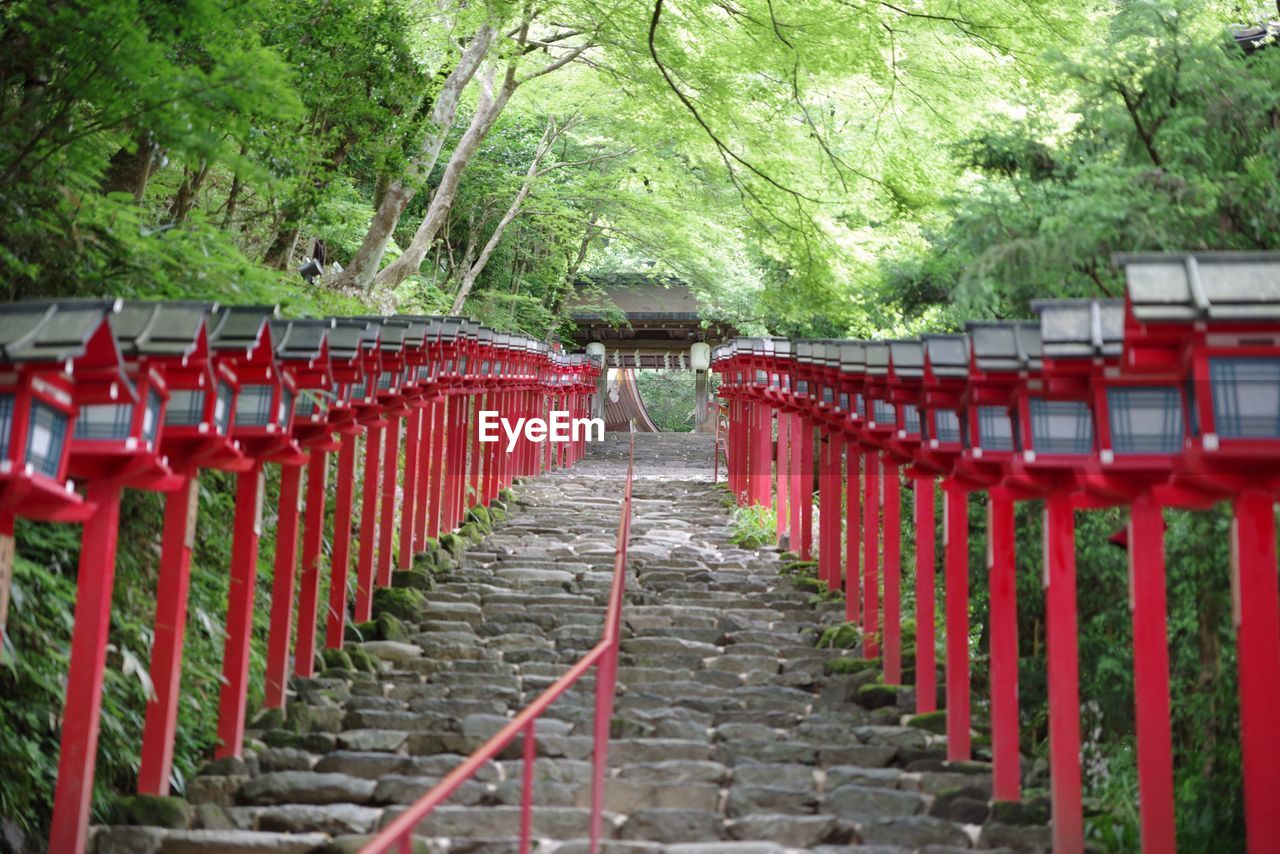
(730, 734)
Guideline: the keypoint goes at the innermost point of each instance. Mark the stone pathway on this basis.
(730, 732)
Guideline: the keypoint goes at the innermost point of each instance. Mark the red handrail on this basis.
(604, 655)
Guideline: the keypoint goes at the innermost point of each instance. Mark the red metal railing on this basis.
(398, 835)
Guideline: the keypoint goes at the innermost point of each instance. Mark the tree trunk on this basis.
(487, 112)
(129, 171)
(469, 278)
(186, 196)
(391, 206)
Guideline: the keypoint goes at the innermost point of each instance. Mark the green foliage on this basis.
(754, 526)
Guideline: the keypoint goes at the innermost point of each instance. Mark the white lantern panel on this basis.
(1246, 397)
(1145, 420)
(1061, 426)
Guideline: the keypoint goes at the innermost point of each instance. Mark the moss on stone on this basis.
(403, 602)
(336, 658)
(453, 545)
(413, 579)
(363, 661)
(877, 696)
(268, 719)
(480, 516)
(847, 664)
(151, 811)
(359, 632)
(935, 722)
(844, 636)
(507, 495)
(471, 533)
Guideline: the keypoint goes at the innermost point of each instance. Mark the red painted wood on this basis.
(1064, 674)
(957, 608)
(166, 650)
(390, 476)
(244, 572)
(824, 505)
(335, 623)
(409, 509)
(852, 538)
(422, 486)
(926, 562)
(871, 555)
(304, 650)
(892, 574)
(795, 492)
(286, 567)
(368, 525)
(834, 509)
(782, 456)
(1258, 651)
(761, 459)
(1151, 675)
(77, 755)
(806, 489)
(1003, 608)
(477, 454)
(435, 487)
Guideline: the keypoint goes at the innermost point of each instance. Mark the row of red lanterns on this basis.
(101, 396)
(1167, 398)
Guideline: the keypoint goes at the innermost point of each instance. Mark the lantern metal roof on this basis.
(948, 354)
(908, 357)
(1080, 328)
(877, 358)
(144, 328)
(345, 338)
(1240, 286)
(43, 331)
(240, 327)
(392, 335)
(853, 356)
(1005, 346)
(300, 340)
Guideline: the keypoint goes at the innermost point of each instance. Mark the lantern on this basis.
(262, 415)
(1211, 319)
(351, 358)
(302, 352)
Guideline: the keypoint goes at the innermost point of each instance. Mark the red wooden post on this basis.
(1258, 651)
(244, 572)
(806, 489)
(335, 625)
(892, 574)
(1063, 672)
(795, 489)
(286, 565)
(170, 627)
(871, 555)
(782, 454)
(408, 508)
(1003, 608)
(79, 746)
(477, 458)
(1151, 675)
(761, 454)
(957, 607)
(833, 510)
(853, 507)
(387, 525)
(824, 505)
(422, 501)
(304, 650)
(435, 482)
(368, 524)
(451, 453)
(926, 561)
